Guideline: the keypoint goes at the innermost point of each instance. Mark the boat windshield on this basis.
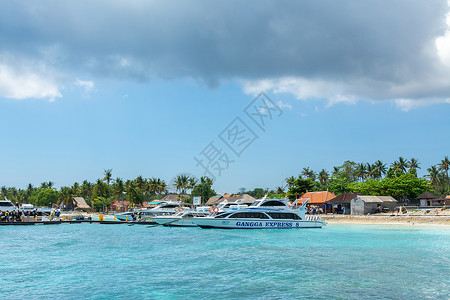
(255, 203)
(249, 215)
(6, 203)
(169, 205)
(222, 215)
(284, 216)
(273, 203)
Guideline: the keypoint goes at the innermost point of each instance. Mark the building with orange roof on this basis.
(317, 199)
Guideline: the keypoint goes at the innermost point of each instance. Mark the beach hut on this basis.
(172, 197)
(426, 199)
(214, 200)
(317, 200)
(245, 198)
(441, 201)
(80, 204)
(362, 205)
(341, 204)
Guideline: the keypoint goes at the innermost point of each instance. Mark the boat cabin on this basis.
(270, 203)
(260, 215)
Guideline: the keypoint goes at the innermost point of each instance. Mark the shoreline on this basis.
(387, 219)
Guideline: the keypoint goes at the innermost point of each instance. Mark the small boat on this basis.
(6, 205)
(181, 219)
(165, 208)
(262, 214)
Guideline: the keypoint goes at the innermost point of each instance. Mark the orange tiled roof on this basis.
(318, 197)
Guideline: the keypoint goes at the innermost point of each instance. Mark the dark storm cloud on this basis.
(375, 42)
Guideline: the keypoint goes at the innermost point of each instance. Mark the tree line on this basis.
(101, 193)
(399, 179)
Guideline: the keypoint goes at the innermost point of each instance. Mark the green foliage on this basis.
(257, 193)
(298, 186)
(98, 202)
(203, 190)
(403, 186)
(44, 197)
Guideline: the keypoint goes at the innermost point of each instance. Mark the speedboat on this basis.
(165, 208)
(6, 205)
(262, 214)
(181, 219)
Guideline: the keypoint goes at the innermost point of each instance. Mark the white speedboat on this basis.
(262, 214)
(181, 219)
(165, 208)
(6, 205)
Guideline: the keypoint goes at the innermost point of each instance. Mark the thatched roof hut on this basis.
(80, 204)
(172, 197)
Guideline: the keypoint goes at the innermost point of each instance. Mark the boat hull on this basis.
(178, 222)
(255, 224)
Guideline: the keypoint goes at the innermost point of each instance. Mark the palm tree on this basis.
(380, 169)
(192, 183)
(360, 171)
(414, 164)
(209, 181)
(181, 183)
(66, 196)
(336, 171)
(433, 175)
(86, 190)
(290, 181)
(107, 178)
(402, 164)
(132, 191)
(308, 173)
(76, 189)
(444, 166)
(280, 190)
(323, 177)
(119, 189)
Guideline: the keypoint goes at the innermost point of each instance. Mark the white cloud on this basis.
(18, 82)
(408, 104)
(88, 86)
(443, 43)
(302, 89)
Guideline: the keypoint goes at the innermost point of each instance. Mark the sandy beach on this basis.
(424, 217)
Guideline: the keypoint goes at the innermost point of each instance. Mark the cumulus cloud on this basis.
(343, 51)
(87, 86)
(22, 82)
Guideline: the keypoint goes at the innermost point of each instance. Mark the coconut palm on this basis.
(414, 164)
(380, 169)
(308, 173)
(433, 175)
(119, 188)
(107, 179)
(323, 177)
(181, 183)
(66, 197)
(361, 171)
(290, 181)
(444, 166)
(207, 180)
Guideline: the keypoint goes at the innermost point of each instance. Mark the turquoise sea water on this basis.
(96, 261)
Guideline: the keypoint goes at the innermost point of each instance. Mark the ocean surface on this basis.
(94, 261)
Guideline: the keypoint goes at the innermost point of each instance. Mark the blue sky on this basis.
(144, 88)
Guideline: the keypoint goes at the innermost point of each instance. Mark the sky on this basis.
(247, 92)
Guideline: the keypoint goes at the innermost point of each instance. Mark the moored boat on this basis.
(165, 208)
(262, 214)
(181, 219)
